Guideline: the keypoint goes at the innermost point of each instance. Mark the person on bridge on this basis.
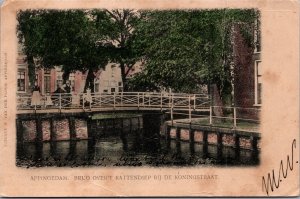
(59, 89)
(67, 87)
(36, 97)
(55, 96)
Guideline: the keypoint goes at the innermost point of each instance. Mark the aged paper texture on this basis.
(272, 171)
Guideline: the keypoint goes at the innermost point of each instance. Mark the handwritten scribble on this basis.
(273, 181)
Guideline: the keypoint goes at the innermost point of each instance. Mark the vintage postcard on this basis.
(149, 98)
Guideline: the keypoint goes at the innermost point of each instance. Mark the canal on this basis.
(129, 144)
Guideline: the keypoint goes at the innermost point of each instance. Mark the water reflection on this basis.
(129, 149)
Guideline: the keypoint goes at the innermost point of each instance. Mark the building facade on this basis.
(247, 84)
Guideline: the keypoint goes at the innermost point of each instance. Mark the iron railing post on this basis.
(59, 101)
(83, 101)
(172, 115)
(210, 115)
(138, 100)
(194, 102)
(114, 100)
(122, 99)
(234, 117)
(161, 100)
(91, 102)
(190, 110)
(100, 99)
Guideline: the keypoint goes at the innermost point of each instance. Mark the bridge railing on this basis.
(123, 99)
(221, 116)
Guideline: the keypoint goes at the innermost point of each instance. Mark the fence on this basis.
(177, 101)
(219, 116)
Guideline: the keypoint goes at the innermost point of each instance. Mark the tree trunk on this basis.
(66, 75)
(216, 100)
(123, 75)
(89, 83)
(31, 70)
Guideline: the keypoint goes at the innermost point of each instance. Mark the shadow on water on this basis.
(134, 147)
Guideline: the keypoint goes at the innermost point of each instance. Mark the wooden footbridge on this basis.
(98, 102)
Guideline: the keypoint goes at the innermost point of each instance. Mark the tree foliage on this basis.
(180, 49)
(185, 48)
(79, 39)
(61, 38)
(121, 24)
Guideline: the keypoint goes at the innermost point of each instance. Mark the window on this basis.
(119, 83)
(257, 36)
(47, 84)
(21, 80)
(72, 81)
(113, 69)
(47, 71)
(47, 80)
(258, 82)
(113, 90)
(96, 87)
(105, 91)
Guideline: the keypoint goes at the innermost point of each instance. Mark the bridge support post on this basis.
(20, 129)
(89, 129)
(122, 125)
(254, 143)
(205, 144)
(192, 140)
(178, 143)
(91, 149)
(219, 146)
(114, 125)
(104, 123)
(123, 136)
(130, 124)
(254, 155)
(52, 130)
(178, 134)
(236, 138)
(39, 129)
(139, 122)
(72, 128)
(168, 137)
(20, 137)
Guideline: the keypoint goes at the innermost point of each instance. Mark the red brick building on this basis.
(247, 84)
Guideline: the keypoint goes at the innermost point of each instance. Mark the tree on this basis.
(185, 48)
(30, 33)
(62, 38)
(119, 25)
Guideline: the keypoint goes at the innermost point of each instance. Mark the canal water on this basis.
(142, 147)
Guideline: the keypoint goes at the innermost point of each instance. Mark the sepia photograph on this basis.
(138, 88)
